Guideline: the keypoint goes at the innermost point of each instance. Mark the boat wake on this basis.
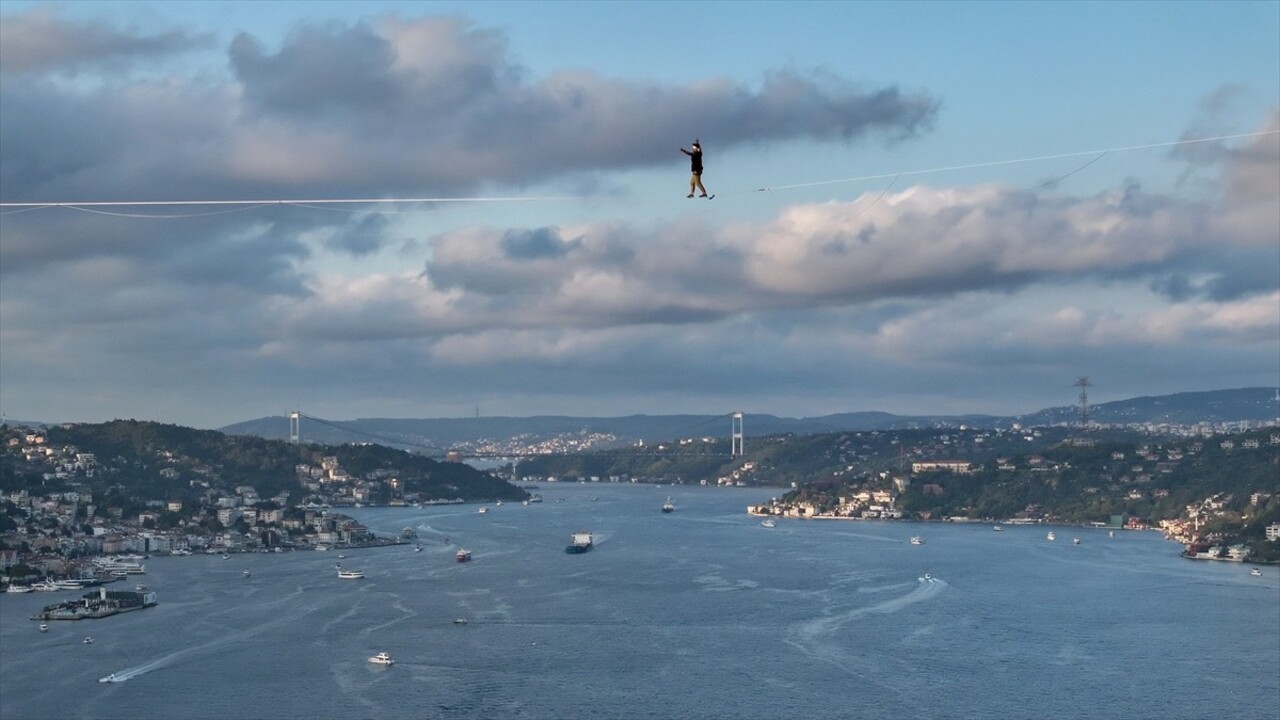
(823, 637)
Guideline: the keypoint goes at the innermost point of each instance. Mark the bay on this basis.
(699, 613)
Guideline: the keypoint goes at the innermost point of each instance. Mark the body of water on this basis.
(699, 613)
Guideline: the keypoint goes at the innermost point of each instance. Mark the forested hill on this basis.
(159, 461)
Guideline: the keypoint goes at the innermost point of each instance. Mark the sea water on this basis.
(699, 613)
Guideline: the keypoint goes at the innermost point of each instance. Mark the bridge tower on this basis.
(294, 422)
(736, 449)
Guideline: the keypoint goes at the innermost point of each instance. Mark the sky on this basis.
(925, 207)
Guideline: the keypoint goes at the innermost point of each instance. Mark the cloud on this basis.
(40, 40)
(825, 303)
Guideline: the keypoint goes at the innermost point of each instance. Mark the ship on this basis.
(1050, 537)
(99, 604)
(668, 506)
(917, 540)
(382, 659)
(350, 574)
(464, 555)
(579, 543)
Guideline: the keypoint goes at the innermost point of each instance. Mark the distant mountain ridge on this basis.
(440, 434)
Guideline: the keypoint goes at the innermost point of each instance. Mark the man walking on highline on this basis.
(695, 165)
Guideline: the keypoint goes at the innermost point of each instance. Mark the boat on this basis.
(44, 627)
(246, 573)
(1255, 572)
(18, 589)
(997, 528)
(917, 540)
(110, 678)
(88, 640)
(768, 523)
(464, 555)
(342, 556)
(350, 574)
(927, 576)
(1111, 533)
(668, 506)
(1075, 541)
(483, 510)
(580, 542)
(382, 659)
(417, 548)
(460, 621)
(1050, 537)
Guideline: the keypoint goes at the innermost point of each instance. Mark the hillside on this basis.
(157, 461)
(496, 435)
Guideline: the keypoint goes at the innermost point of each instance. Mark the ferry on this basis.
(464, 555)
(917, 540)
(580, 543)
(668, 506)
(382, 659)
(350, 574)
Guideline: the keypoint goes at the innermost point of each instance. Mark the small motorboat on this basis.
(917, 540)
(110, 678)
(460, 621)
(769, 523)
(382, 659)
(88, 640)
(1075, 541)
(44, 627)
(246, 573)
(1252, 571)
(927, 577)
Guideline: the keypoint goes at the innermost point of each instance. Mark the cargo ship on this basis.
(98, 604)
(579, 543)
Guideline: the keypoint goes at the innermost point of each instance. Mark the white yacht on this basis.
(1050, 537)
(350, 574)
(382, 659)
(917, 540)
